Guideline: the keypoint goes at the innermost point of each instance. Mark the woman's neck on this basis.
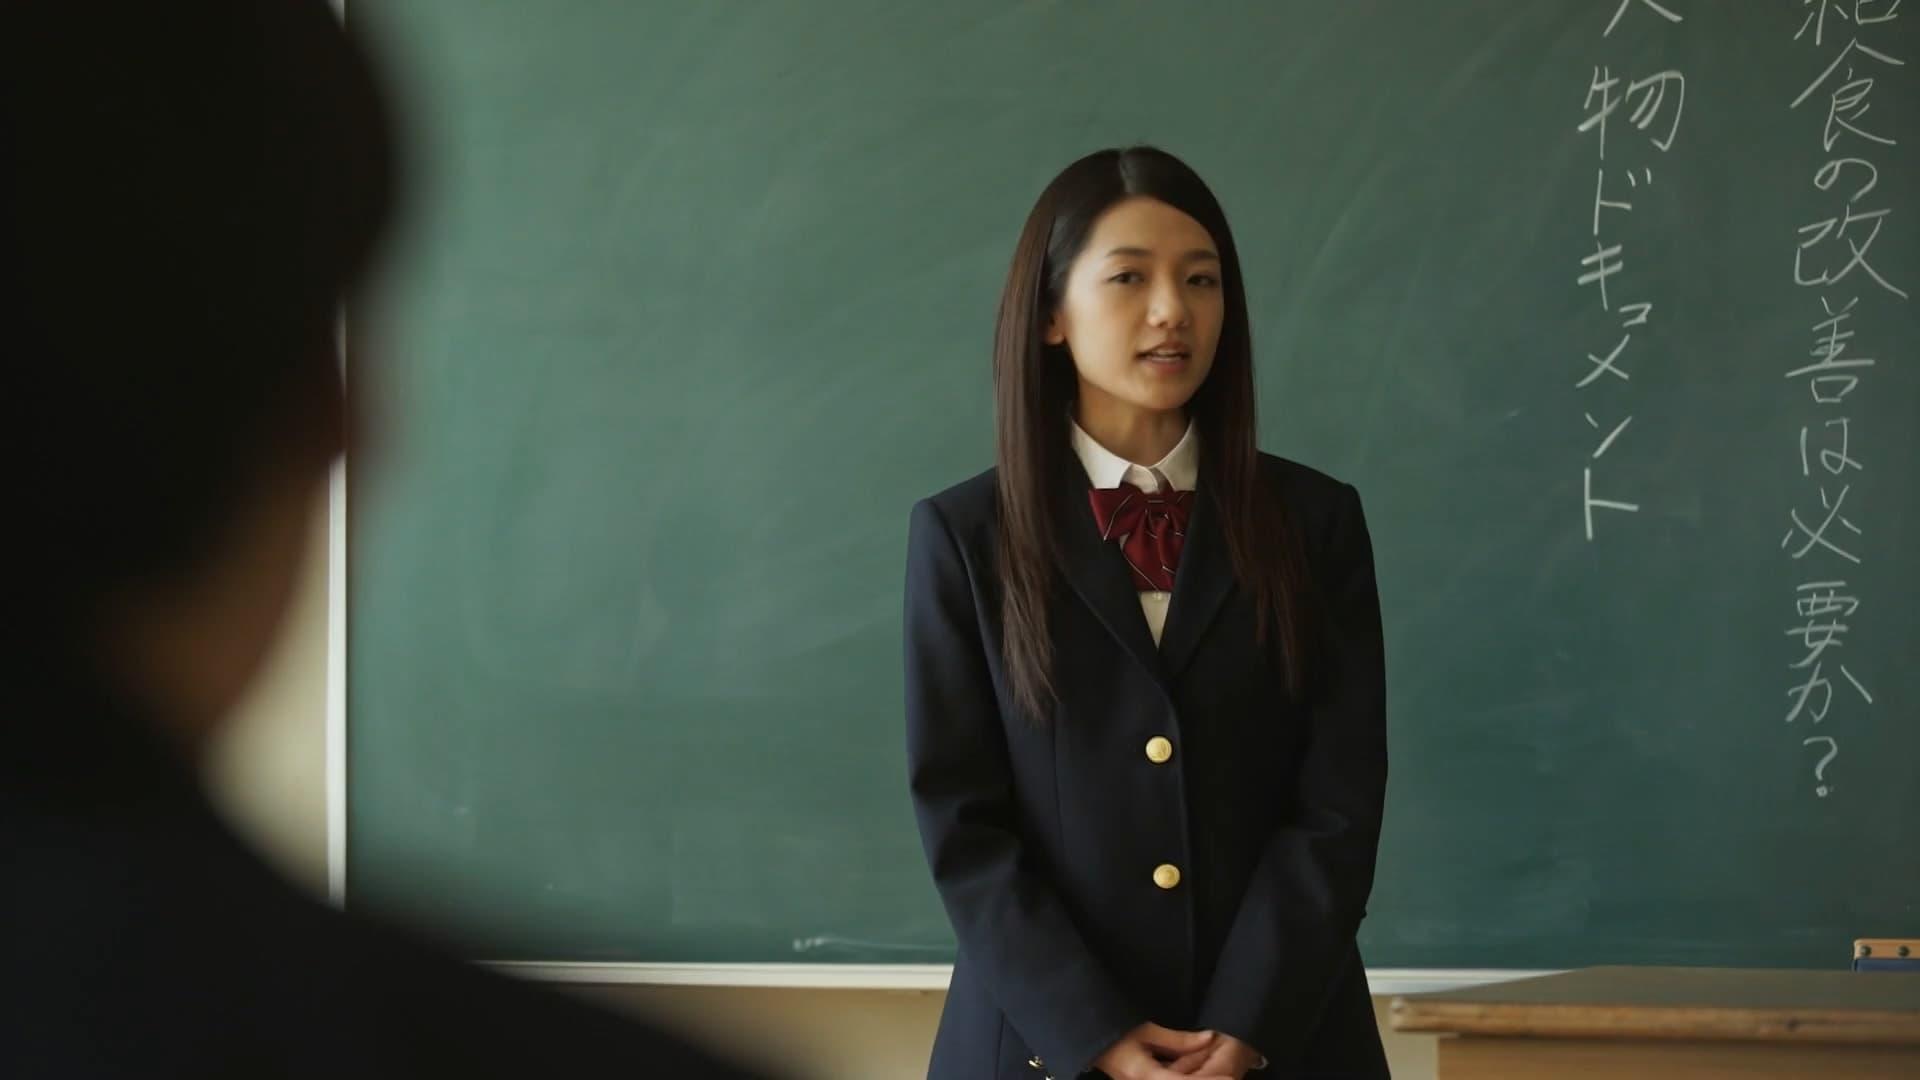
(1142, 436)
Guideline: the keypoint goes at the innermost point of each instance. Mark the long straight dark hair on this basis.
(1034, 388)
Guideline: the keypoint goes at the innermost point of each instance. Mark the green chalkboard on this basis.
(698, 300)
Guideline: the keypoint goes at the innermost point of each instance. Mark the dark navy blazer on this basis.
(1044, 838)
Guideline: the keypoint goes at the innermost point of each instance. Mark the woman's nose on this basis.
(1167, 308)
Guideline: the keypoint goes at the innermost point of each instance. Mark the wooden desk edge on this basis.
(1878, 1027)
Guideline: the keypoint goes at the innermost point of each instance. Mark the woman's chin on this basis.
(1165, 397)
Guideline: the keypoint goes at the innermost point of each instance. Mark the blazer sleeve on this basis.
(1297, 920)
(1010, 923)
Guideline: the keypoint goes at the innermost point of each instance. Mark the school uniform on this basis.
(1181, 842)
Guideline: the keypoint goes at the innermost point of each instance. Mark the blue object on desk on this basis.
(1886, 954)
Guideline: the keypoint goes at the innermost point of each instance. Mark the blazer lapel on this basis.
(1200, 585)
(1099, 574)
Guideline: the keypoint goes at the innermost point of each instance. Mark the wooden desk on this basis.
(1684, 1023)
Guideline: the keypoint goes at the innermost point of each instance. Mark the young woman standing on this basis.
(1145, 685)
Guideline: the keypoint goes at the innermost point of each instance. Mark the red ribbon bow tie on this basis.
(1150, 527)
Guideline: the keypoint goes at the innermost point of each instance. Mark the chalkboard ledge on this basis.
(1381, 982)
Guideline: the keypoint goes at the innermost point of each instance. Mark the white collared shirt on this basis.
(1180, 470)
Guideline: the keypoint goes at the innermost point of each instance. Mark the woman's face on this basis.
(1142, 308)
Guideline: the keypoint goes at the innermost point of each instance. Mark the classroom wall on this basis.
(270, 773)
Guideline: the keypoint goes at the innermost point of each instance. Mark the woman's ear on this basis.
(1056, 334)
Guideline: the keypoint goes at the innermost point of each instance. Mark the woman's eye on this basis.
(1125, 277)
(1205, 281)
